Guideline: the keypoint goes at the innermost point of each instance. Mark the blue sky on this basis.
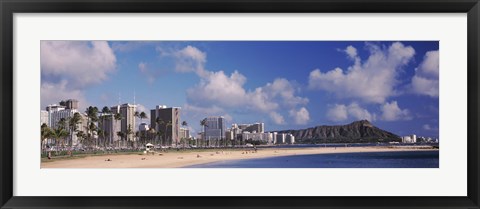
(286, 85)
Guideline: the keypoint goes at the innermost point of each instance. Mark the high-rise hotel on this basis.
(127, 112)
(215, 128)
(166, 120)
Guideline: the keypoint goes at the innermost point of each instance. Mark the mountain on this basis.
(356, 132)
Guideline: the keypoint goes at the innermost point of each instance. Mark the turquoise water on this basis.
(404, 159)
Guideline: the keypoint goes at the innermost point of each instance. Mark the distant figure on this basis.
(49, 155)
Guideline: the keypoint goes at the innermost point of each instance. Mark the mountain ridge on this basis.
(361, 131)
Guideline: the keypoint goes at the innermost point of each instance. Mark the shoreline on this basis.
(176, 159)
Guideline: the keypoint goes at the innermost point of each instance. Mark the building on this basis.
(274, 137)
(184, 133)
(143, 127)
(44, 117)
(262, 137)
(290, 139)
(127, 122)
(229, 134)
(280, 139)
(215, 128)
(255, 128)
(252, 128)
(71, 104)
(54, 113)
(167, 120)
(111, 127)
(409, 139)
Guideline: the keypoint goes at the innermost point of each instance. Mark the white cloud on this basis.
(351, 52)
(80, 63)
(360, 113)
(341, 112)
(425, 81)
(150, 75)
(67, 67)
(205, 111)
(337, 113)
(427, 127)
(301, 117)
(219, 88)
(228, 92)
(277, 118)
(130, 45)
(190, 59)
(53, 93)
(392, 112)
(141, 108)
(372, 81)
(285, 90)
(228, 117)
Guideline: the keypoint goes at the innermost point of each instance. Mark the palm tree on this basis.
(159, 134)
(100, 132)
(73, 125)
(106, 113)
(62, 124)
(159, 121)
(81, 136)
(203, 123)
(46, 133)
(184, 124)
(92, 116)
(137, 138)
(121, 135)
(143, 115)
(151, 133)
(117, 117)
(129, 132)
(59, 134)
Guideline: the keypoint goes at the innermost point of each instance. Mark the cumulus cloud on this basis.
(190, 59)
(341, 112)
(218, 87)
(150, 74)
(282, 88)
(212, 110)
(228, 91)
(81, 63)
(425, 81)
(130, 45)
(392, 112)
(67, 67)
(277, 118)
(337, 113)
(427, 127)
(372, 81)
(53, 93)
(301, 116)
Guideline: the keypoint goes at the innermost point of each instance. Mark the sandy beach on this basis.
(174, 159)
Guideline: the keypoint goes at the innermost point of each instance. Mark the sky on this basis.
(285, 84)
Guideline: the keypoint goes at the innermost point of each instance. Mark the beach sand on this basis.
(174, 159)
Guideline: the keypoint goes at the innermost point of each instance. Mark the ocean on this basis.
(403, 159)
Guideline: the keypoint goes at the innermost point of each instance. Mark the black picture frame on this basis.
(10, 7)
